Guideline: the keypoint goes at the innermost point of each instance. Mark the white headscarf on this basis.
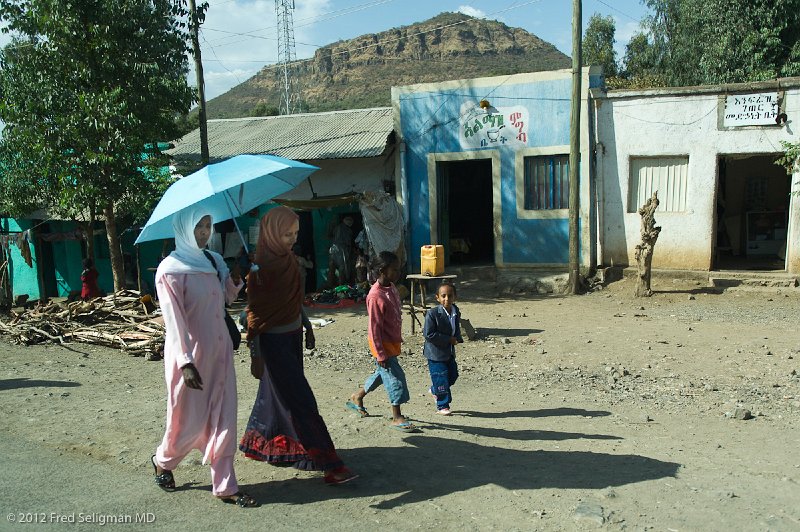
(187, 257)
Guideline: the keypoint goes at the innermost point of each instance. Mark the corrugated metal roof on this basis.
(331, 135)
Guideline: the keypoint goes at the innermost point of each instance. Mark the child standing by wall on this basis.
(385, 320)
(89, 287)
(442, 332)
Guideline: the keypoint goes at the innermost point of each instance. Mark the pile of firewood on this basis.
(124, 320)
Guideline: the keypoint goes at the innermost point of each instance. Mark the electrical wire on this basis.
(618, 11)
(238, 81)
(310, 20)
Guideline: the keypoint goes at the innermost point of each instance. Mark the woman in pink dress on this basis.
(198, 359)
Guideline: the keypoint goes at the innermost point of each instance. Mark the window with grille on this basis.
(546, 182)
(667, 175)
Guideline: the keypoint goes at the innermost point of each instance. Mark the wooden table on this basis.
(418, 280)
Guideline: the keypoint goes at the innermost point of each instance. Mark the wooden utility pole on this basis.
(575, 150)
(194, 31)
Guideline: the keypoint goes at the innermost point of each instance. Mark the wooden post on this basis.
(644, 251)
(575, 150)
(138, 270)
(194, 31)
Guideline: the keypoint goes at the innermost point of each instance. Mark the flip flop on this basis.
(360, 409)
(242, 500)
(406, 427)
(340, 475)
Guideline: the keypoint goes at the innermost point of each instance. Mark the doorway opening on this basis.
(305, 248)
(752, 213)
(466, 211)
(47, 266)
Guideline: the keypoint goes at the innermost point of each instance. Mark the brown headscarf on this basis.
(273, 292)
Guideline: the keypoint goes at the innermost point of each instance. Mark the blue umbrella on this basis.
(226, 190)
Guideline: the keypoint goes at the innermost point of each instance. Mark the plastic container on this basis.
(432, 260)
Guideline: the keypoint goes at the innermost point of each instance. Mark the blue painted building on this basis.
(484, 168)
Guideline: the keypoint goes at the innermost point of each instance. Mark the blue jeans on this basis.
(393, 379)
(443, 376)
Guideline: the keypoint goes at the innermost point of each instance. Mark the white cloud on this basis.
(623, 34)
(239, 38)
(471, 11)
(236, 39)
(627, 30)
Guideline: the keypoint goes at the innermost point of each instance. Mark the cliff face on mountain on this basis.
(359, 73)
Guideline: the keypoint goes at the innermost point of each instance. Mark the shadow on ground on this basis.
(13, 384)
(543, 412)
(486, 332)
(520, 435)
(693, 291)
(429, 467)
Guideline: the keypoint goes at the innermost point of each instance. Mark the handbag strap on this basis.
(219, 274)
(213, 263)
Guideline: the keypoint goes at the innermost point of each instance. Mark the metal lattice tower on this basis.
(290, 101)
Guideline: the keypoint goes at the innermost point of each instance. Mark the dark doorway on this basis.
(47, 268)
(752, 213)
(466, 211)
(305, 247)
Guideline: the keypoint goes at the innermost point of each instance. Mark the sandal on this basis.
(339, 475)
(242, 500)
(165, 480)
(360, 409)
(405, 426)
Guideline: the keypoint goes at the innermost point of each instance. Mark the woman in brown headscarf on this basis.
(285, 427)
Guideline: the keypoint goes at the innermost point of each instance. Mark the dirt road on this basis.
(596, 411)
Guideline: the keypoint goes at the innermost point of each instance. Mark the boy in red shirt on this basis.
(385, 320)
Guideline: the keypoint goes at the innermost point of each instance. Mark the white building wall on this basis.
(342, 176)
(672, 122)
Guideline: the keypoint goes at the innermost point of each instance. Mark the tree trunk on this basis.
(114, 248)
(90, 232)
(644, 251)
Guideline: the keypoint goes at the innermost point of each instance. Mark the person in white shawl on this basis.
(198, 359)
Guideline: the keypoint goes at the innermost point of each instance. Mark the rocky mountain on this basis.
(359, 73)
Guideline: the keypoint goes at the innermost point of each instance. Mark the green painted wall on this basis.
(67, 261)
(24, 279)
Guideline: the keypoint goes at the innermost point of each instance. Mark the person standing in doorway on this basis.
(340, 258)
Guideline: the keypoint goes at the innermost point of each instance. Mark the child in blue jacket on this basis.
(442, 332)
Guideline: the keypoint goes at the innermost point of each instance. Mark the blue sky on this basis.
(240, 36)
